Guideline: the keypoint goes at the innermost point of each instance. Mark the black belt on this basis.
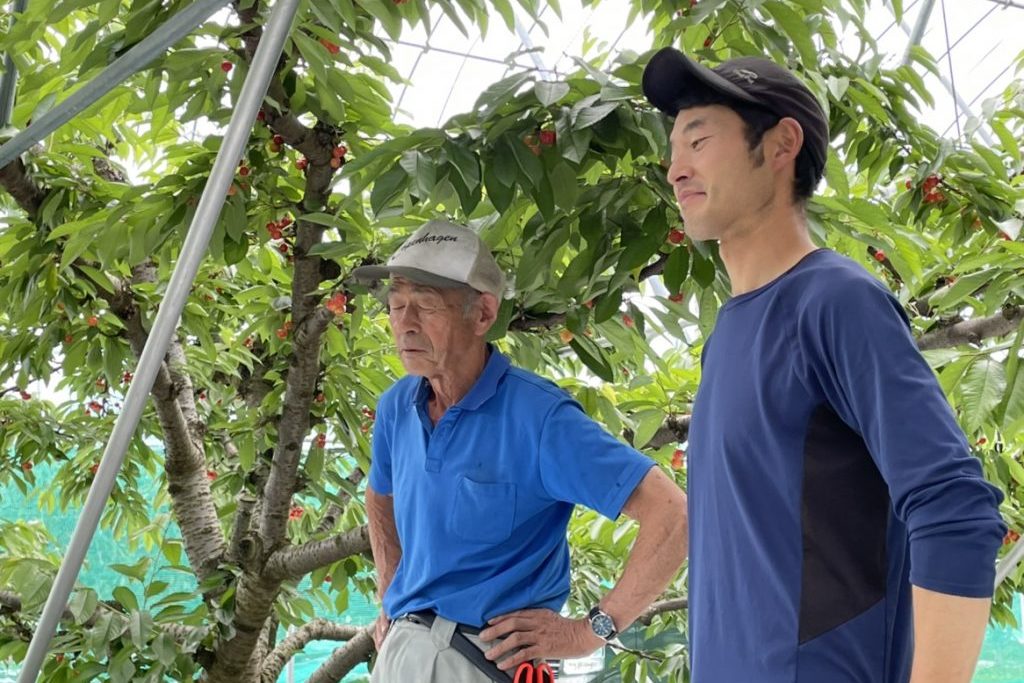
(464, 646)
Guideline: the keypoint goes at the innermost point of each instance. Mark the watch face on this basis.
(602, 625)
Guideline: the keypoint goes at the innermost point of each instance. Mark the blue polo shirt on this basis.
(827, 474)
(482, 500)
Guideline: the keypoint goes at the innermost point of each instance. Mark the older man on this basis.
(477, 466)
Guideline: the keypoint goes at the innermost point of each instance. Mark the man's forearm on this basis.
(384, 543)
(658, 552)
(948, 631)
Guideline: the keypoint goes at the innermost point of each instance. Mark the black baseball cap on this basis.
(671, 76)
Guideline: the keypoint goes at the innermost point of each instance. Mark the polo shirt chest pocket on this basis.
(483, 512)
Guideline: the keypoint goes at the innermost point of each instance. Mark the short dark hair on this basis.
(759, 121)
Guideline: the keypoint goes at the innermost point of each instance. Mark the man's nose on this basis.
(679, 170)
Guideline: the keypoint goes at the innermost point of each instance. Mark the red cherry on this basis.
(68, 339)
(278, 140)
(95, 407)
(275, 148)
(247, 343)
(285, 222)
(92, 321)
(548, 137)
(243, 171)
(283, 247)
(320, 398)
(370, 413)
(336, 304)
(676, 236)
(281, 333)
(126, 378)
(211, 475)
(261, 115)
(336, 162)
(677, 459)
(982, 441)
(94, 468)
(880, 256)
(627, 320)
(321, 440)
(909, 184)
(302, 163)
(296, 513)
(27, 466)
(930, 183)
(589, 304)
(226, 66)
(339, 151)
(25, 396)
(676, 298)
(708, 41)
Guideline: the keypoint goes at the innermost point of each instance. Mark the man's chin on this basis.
(415, 366)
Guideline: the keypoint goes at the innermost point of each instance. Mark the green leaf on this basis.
(549, 92)
(125, 597)
(501, 92)
(422, 172)
(608, 305)
(565, 187)
(135, 571)
(586, 117)
(593, 357)
(676, 269)
(388, 187)
(647, 424)
(981, 390)
(794, 26)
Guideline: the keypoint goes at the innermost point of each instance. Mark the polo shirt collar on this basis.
(484, 388)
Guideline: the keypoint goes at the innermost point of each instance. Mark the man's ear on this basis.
(787, 139)
(487, 313)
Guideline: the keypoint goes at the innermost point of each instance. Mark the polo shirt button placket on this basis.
(438, 445)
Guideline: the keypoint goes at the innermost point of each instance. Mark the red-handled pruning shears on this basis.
(530, 673)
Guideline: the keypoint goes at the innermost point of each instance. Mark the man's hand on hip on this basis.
(534, 634)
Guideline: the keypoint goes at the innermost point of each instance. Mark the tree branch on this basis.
(298, 561)
(973, 331)
(185, 457)
(660, 607)
(10, 604)
(318, 629)
(334, 510)
(15, 179)
(676, 429)
(344, 659)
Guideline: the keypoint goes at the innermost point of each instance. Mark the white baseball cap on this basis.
(442, 254)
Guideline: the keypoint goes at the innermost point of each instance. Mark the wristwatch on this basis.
(601, 624)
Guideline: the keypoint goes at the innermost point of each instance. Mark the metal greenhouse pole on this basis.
(164, 326)
(10, 75)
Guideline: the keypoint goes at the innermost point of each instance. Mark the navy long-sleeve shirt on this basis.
(826, 474)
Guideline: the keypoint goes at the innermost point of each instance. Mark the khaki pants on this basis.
(413, 653)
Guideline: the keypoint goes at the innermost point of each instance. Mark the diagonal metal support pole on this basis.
(154, 45)
(192, 252)
(9, 78)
